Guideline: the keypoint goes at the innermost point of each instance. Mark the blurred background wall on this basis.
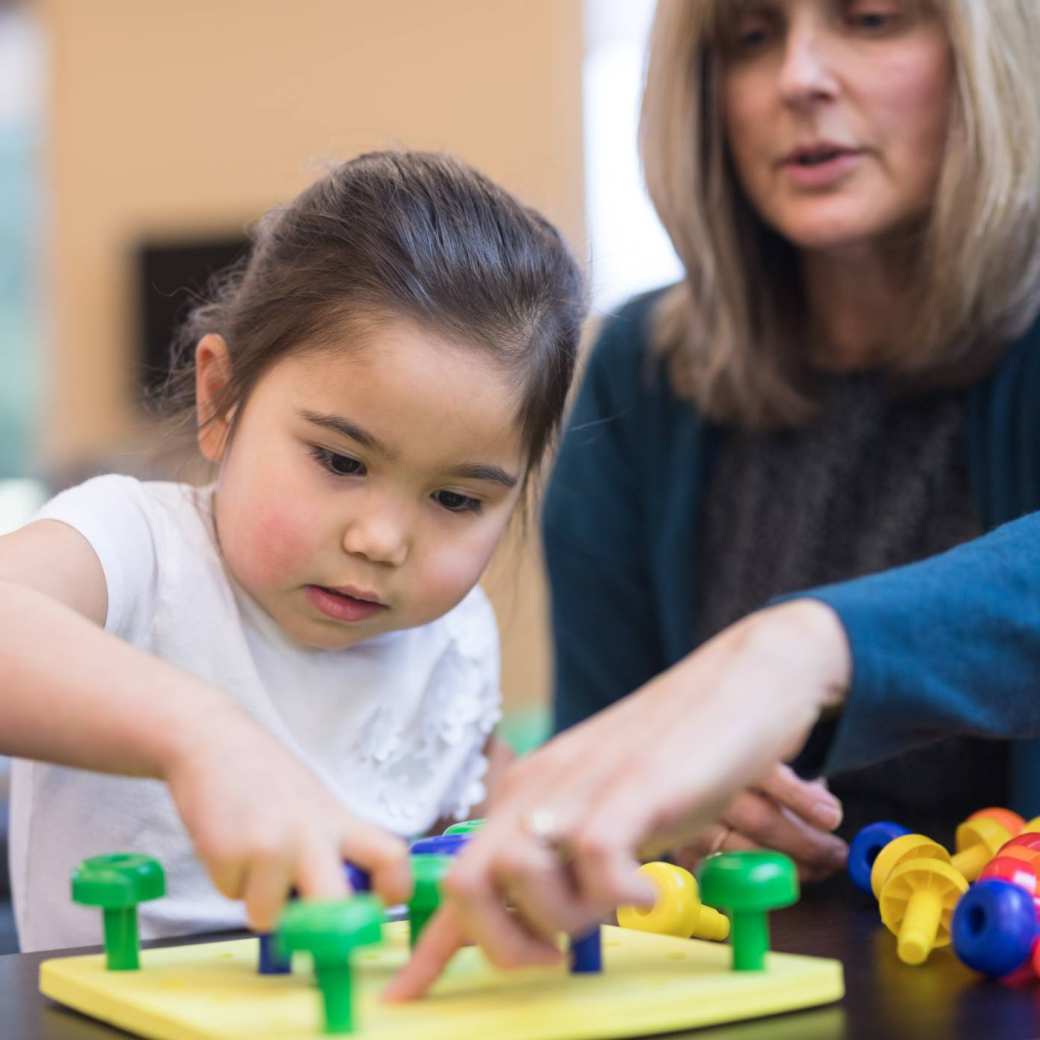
(180, 121)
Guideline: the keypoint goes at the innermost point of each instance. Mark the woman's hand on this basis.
(782, 812)
(652, 771)
(262, 823)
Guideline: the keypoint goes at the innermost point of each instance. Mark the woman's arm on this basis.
(642, 775)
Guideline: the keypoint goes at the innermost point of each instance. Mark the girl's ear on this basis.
(212, 377)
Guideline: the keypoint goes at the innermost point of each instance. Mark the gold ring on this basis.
(542, 825)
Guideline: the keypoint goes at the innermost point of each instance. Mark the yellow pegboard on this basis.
(650, 984)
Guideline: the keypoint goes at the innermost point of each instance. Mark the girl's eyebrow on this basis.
(346, 428)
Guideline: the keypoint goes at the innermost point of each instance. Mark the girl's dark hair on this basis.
(409, 234)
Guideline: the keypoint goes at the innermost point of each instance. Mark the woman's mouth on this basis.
(820, 166)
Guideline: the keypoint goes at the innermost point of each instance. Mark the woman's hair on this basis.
(409, 235)
(732, 330)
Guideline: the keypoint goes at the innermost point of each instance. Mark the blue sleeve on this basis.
(944, 647)
(605, 632)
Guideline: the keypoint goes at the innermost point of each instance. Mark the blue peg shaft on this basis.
(587, 953)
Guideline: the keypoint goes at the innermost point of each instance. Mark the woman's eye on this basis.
(873, 19)
(456, 503)
(750, 34)
(336, 464)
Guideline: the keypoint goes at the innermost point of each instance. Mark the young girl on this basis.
(294, 666)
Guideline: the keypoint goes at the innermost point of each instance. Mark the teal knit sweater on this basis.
(944, 647)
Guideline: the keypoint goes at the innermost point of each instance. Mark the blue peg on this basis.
(865, 847)
(440, 845)
(586, 953)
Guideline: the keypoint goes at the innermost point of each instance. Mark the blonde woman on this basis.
(845, 383)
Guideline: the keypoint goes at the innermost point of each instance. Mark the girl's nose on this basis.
(379, 537)
(806, 73)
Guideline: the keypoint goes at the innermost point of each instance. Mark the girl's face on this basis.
(835, 113)
(364, 490)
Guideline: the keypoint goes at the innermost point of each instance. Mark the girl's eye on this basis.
(456, 503)
(336, 464)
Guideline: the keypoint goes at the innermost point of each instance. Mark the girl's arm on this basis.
(78, 696)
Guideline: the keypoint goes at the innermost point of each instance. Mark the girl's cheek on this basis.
(279, 545)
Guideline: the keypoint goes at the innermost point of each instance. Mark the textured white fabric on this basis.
(395, 725)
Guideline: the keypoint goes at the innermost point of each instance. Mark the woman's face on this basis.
(835, 112)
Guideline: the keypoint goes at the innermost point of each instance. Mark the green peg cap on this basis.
(465, 827)
(753, 880)
(330, 931)
(748, 885)
(118, 881)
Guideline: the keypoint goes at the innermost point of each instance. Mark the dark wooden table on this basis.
(885, 1000)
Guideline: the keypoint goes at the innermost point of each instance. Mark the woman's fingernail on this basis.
(827, 814)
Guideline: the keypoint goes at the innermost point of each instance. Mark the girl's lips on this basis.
(339, 606)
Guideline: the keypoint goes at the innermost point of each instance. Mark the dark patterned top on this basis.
(875, 481)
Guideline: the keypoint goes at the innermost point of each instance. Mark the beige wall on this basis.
(181, 116)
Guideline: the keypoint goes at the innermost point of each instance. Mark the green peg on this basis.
(747, 885)
(330, 932)
(465, 827)
(427, 871)
(117, 883)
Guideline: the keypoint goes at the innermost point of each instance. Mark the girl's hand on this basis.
(643, 776)
(783, 812)
(263, 823)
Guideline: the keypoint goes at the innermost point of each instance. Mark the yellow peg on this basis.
(917, 903)
(978, 841)
(909, 846)
(678, 910)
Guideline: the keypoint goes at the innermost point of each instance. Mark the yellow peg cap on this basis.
(917, 904)
(978, 841)
(678, 910)
(908, 846)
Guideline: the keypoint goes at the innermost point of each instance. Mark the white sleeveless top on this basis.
(395, 725)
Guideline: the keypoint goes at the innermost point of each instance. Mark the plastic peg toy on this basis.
(269, 962)
(1025, 845)
(866, 846)
(586, 953)
(909, 846)
(330, 932)
(116, 883)
(1021, 872)
(678, 910)
(465, 827)
(1007, 818)
(995, 927)
(358, 879)
(977, 843)
(427, 872)
(440, 845)
(747, 885)
(917, 903)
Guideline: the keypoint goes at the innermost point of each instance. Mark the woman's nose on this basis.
(806, 73)
(380, 536)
